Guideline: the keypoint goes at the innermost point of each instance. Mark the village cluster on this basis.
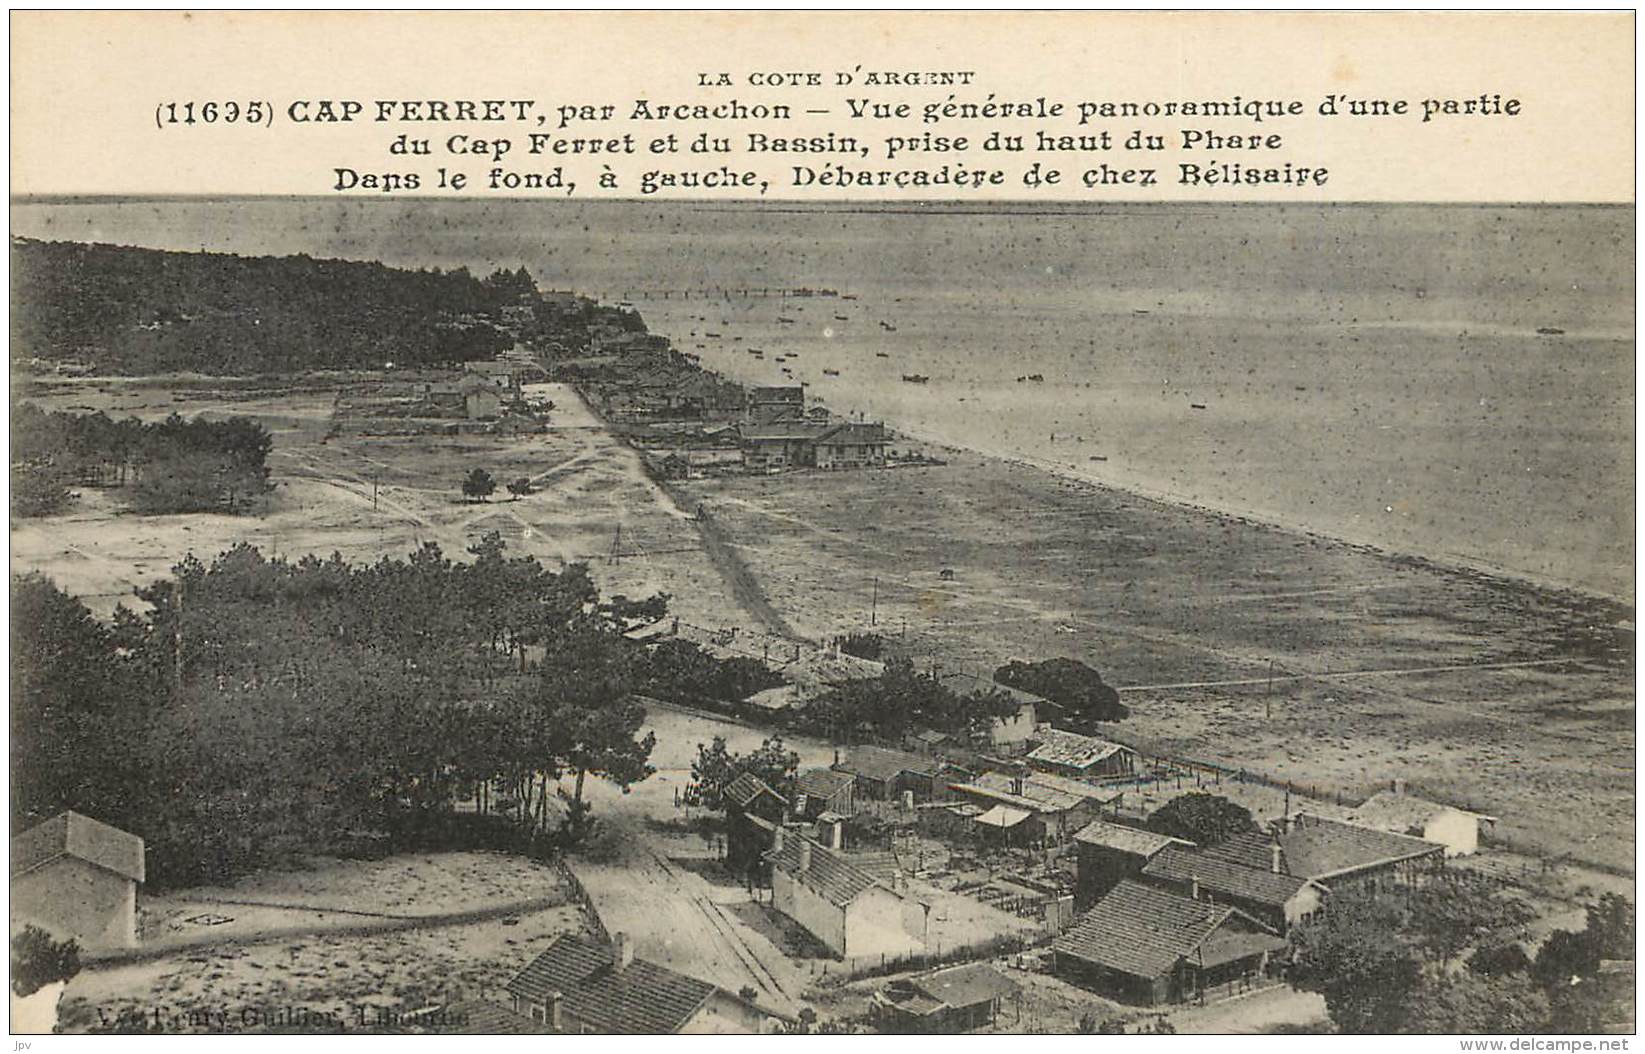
(932, 875)
(1035, 824)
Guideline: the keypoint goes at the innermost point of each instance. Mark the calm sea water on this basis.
(1370, 372)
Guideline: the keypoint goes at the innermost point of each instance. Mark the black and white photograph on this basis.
(452, 616)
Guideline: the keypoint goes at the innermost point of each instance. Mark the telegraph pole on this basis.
(1268, 697)
(874, 608)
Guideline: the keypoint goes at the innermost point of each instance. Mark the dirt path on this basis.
(745, 587)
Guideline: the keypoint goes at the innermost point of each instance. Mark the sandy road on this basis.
(1392, 671)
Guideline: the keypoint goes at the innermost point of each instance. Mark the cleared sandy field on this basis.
(366, 496)
(1157, 596)
(256, 966)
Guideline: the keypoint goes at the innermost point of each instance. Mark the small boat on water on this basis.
(715, 336)
(842, 318)
(1099, 457)
(1196, 406)
(882, 354)
(888, 327)
(831, 373)
(915, 378)
(848, 296)
(785, 321)
(1550, 331)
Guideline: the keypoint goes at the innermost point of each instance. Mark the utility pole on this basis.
(1268, 698)
(874, 608)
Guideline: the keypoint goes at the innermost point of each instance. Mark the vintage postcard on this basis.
(823, 523)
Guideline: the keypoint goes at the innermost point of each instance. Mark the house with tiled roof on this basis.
(1108, 853)
(850, 445)
(1056, 808)
(1082, 757)
(884, 774)
(579, 985)
(821, 791)
(1278, 900)
(1333, 853)
(849, 908)
(951, 1000)
(753, 810)
(1144, 944)
(76, 877)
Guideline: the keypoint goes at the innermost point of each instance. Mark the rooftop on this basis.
(1072, 749)
(884, 765)
(822, 783)
(642, 998)
(1143, 931)
(1317, 848)
(1126, 839)
(1220, 875)
(965, 985)
(830, 875)
(70, 834)
(746, 787)
(851, 434)
(1394, 811)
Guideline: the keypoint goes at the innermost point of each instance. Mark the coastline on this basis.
(1456, 563)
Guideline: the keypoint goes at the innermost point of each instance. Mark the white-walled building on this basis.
(845, 907)
(75, 877)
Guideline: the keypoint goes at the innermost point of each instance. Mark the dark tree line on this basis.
(1069, 683)
(263, 707)
(169, 466)
(902, 701)
(118, 308)
(1385, 962)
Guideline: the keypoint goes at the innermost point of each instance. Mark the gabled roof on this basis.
(822, 783)
(1003, 816)
(880, 763)
(73, 835)
(1058, 747)
(830, 875)
(966, 985)
(640, 999)
(1143, 931)
(777, 394)
(1394, 811)
(773, 433)
(1038, 787)
(1126, 839)
(1317, 848)
(1069, 785)
(852, 434)
(746, 787)
(1220, 875)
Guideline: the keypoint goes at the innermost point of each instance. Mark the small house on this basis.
(1335, 854)
(952, 1000)
(1277, 900)
(582, 986)
(1400, 813)
(75, 877)
(1080, 756)
(1142, 944)
(752, 811)
(775, 447)
(851, 910)
(886, 775)
(824, 790)
(1110, 853)
(1033, 806)
(850, 446)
